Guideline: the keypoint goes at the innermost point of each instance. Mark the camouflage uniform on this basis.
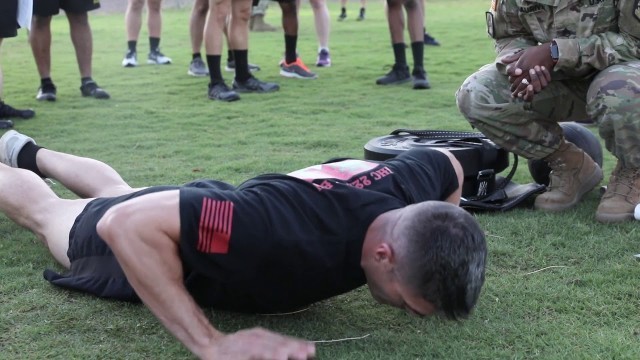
(597, 76)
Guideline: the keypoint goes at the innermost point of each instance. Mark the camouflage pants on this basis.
(261, 8)
(611, 98)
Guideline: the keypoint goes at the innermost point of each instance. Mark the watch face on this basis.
(554, 51)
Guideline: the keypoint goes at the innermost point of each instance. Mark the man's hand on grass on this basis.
(258, 344)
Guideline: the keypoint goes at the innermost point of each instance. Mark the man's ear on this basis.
(384, 254)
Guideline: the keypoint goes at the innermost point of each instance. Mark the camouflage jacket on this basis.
(591, 34)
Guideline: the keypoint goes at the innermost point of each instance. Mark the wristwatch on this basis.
(555, 54)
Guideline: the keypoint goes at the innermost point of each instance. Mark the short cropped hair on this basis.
(442, 256)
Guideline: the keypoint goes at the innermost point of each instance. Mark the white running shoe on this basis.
(156, 57)
(10, 145)
(130, 59)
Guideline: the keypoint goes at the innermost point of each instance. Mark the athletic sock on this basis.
(215, 74)
(131, 44)
(230, 56)
(196, 56)
(417, 48)
(46, 81)
(154, 43)
(290, 43)
(399, 54)
(85, 80)
(27, 158)
(242, 65)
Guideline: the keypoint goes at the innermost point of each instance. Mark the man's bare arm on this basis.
(144, 234)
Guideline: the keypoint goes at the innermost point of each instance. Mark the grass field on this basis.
(159, 127)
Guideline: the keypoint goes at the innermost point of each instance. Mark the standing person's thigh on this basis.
(46, 8)
(79, 6)
(8, 22)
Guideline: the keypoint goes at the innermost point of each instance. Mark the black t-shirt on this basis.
(279, 242)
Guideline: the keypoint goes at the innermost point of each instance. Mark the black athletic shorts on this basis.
(8, 15)
(52, 7)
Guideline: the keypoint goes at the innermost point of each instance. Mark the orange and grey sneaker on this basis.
(296, 69)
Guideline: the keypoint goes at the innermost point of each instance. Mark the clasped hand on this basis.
(528, 71)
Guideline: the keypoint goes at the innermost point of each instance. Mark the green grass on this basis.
(159, 127)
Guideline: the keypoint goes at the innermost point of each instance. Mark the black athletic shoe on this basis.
(254, 85)
(420, 79)
(46, 92)
(91, 88)
(6, 124)
(222, 92)
(399, 74)
(430, 40)
(7, 111)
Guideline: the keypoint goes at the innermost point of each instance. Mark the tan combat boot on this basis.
(256, 23)
(621, 197)
(573, 174)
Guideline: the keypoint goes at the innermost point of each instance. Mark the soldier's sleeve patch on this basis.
(636, 10)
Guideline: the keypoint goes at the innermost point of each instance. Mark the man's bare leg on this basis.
(133, 19)
(415, 20)
(238, 31)
(322, 22)
(196, 24)
(214, 26)
(395, 18)
(40, 39)
(29, 202)
(82, 41)
(154, 17)
(86, 177)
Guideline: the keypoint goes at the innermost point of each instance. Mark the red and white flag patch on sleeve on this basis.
(214, 231)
